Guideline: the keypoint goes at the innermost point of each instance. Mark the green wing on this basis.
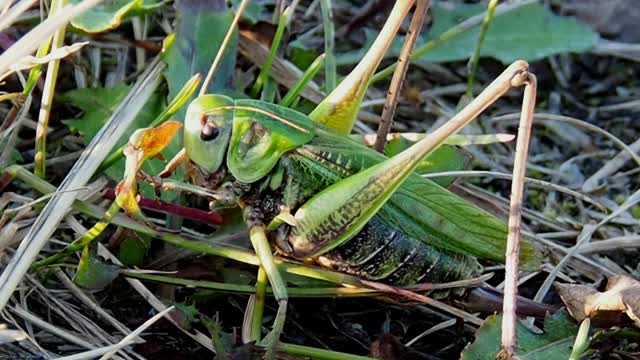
(420, 207)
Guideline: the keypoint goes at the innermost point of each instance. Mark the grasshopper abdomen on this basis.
(379, 252)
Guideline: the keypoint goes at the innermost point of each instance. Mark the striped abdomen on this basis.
(383, 254)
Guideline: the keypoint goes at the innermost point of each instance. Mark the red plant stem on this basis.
(183, 211)
(5, 179)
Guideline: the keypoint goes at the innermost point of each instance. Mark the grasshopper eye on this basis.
(209, 132)
(207, 129)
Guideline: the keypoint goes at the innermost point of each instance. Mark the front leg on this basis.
(258, 237)
(296, 188)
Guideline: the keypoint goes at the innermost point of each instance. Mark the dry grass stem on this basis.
(135, 333)
(30, 42)
(156, 303)
(541, 118)
(82, 171)
(9, 17)
(28, 62)
(400, 72)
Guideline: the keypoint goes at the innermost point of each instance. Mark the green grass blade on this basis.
(329, 45)
(266, 67)
(292, 94)
(46, 102)
(491, 9)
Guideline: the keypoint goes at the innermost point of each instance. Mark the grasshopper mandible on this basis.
(315, 193)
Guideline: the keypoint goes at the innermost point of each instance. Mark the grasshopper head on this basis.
(207, 131)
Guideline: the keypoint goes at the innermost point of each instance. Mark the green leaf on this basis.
(132, 251)
(93, 273)
(98, 104)
(555, 344)
(530, 32)
(110, 14)
(302, 57)
(186, 315)
(201, 26)
(223, 342)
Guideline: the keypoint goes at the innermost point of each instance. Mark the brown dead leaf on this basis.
(150, 141)
(607, 308)
(389, 347)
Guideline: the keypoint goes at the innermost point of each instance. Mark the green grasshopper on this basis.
(315, 193)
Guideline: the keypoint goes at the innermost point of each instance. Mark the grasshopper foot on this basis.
(284, 217)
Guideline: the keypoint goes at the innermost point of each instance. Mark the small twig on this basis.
(78, 176)
(10, 135)
(424, 300)
(92, 354)
(55, 330)
(311, 9)
(282, 71)
(531, 181)
(612, 244)
(223, 47)
(554, 246)
(609, 168)
(90, 303)
(14, 13)
(140, 27)
(437, 327)
(308, 75)
(400, 72)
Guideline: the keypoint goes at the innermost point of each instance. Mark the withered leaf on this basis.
(143, 144)
(607, 308)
